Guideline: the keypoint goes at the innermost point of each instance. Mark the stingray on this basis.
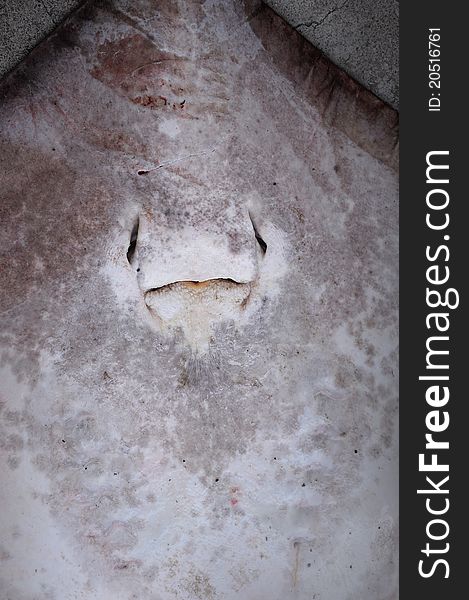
(199, 313)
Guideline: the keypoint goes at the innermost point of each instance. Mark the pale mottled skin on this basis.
(137, 463)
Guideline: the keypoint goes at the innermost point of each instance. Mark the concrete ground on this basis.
(360, 36)
(25, 23)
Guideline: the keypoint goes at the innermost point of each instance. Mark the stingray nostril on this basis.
(259, 239)
(261, 242)
(133, 242)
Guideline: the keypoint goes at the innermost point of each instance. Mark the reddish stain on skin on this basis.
(150, 101)
(234, 490)
(134, 60)
(138, 70)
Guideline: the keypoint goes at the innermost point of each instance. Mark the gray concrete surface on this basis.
(24, 23)
(360, 36)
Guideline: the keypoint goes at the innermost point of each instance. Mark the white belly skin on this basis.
(216, 416)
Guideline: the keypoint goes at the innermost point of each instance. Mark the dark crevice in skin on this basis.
(133, 241)
(262, 244)
(259, 239)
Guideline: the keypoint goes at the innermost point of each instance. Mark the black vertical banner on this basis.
(434, 236)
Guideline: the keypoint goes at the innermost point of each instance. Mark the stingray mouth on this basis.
(198, 301)
(197, 305)
(197, 285)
